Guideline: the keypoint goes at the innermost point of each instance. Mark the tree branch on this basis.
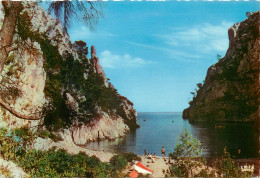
(15, 113)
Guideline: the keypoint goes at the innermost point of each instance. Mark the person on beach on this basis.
(163, 152)
(144, 152)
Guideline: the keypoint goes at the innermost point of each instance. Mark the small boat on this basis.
(144, 119)
(220, 125)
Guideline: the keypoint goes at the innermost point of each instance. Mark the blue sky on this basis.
(156, 52)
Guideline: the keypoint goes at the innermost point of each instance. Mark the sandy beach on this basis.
(157, 166)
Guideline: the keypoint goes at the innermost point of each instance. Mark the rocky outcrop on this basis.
(69, 145)
(99, 129)
(230, 92)
(12, 169)
(185, 113)
(96, 65)
(48, 81)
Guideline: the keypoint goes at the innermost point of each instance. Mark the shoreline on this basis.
(157, 167)
(159, 164)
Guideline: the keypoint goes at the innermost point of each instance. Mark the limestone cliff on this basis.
(48, 82)
(230, 92)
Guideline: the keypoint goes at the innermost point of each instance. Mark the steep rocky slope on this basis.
(49, 83)
(230, 92)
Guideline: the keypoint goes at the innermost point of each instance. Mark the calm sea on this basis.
(162, 129)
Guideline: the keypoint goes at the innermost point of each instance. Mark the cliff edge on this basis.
(49, 83)
(230, 92)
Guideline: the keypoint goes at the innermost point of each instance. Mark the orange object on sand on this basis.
(133, 174)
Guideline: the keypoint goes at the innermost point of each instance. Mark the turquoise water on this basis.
(162, 129)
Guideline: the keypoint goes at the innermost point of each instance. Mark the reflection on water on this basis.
(162, 129)
(234, 136)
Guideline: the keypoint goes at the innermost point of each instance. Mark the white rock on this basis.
(103, 128)
(14, 170)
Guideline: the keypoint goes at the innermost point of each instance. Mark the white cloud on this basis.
(109, 60)
(204, 38)
(187, 44)
(174, 54)
(82, 32)
(79, 33)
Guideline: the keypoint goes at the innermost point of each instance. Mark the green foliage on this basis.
(243, 105)
(24, 25)
(57, 112)
(237, 76)
(23, 132)
(119, 162)
(186, 146)
(9, 90)
(131, 157)
(66, 75)
(61, 164)
(10, 59)
(179, 170)
(56, 163)
(13, 143)
(205, 173)
(107, 98)
(8, 146)
(44, 134)
(47, 134)
(227, 166)
(188, 167)
(187, 153)
(3, 132)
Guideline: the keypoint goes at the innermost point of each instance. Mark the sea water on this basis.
(162, 129)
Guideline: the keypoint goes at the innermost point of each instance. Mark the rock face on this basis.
(51, 80)
(13, 169)
(96, 65)
(68, 144)
(100, 129)
(230, 92)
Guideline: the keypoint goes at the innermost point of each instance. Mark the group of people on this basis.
(147, 154)
(153, 156)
